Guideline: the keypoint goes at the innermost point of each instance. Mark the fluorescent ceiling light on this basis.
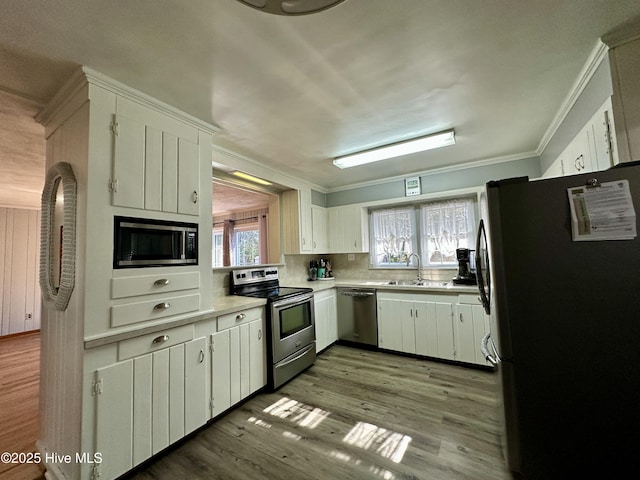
(251, 178)
(429, 142)
(291, 7)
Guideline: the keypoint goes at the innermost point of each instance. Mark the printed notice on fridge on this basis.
(602, 211)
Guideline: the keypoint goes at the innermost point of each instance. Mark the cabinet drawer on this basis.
(238, 318)
(149, 284)
(134, 347)
(470, 299)
(152, 309)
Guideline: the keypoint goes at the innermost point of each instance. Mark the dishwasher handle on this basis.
(357, 293)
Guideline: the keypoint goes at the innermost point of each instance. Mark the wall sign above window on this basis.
(412, 186)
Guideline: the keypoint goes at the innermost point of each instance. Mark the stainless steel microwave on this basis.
(143, 242)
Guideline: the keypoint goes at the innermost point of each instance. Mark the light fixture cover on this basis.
(436, 140)
(250, 178)
(291, 7)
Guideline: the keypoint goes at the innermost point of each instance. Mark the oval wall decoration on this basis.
(58, 265)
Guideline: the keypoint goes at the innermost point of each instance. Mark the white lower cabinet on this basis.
(145, 403)
(238, 363)
(326, 318)
(442, 326)
(416, 323)
(471, 325)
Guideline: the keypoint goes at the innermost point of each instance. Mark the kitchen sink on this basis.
(417, 283)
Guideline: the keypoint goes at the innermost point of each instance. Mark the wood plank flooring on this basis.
(19, 414)
(355, 414)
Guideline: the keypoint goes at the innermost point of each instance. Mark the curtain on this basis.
(264, 234)
(447, 226)
(393, 235)
(227, 238)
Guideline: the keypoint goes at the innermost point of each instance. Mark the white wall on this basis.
(19, 253)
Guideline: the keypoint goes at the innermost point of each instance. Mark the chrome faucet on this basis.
(419, 269)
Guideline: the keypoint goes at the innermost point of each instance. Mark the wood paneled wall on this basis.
(19, 253)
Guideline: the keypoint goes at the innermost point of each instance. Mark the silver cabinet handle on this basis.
(260, 334)
(160, 339)
(240, 316)
(201, 356)
(162, 306)
(194, 197)
(162, 282)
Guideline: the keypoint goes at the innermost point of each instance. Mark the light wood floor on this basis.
(355, 414)
(19, 414)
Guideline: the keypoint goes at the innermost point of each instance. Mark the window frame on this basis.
(472, 195)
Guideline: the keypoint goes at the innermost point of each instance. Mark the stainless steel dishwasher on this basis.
(357, 316)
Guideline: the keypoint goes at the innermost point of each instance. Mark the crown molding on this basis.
(598, 54)
(86, 76)
(626, 33)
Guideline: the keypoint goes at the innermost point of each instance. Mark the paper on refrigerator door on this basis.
(602, 211)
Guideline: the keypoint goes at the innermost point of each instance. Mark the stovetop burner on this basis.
(276, 293)
(262, 283)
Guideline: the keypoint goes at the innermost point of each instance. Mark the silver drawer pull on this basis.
(240, 316)
(162, 282)
(160, 339)
(162, 306)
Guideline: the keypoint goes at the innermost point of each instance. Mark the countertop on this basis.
(428, 286)
(225, 304)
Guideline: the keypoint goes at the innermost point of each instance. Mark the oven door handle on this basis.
(293, 301)
(291, 360)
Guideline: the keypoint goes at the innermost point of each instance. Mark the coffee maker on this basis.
(466, 274)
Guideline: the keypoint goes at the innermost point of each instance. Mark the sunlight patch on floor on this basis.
(304, 415)
(258, 422)
(386, 443)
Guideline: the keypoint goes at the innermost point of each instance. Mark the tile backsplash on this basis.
(296, 267)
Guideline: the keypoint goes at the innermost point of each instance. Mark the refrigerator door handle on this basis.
(484, 347)
(483, 278)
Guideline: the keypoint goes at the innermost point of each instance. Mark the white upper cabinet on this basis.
(605, 151)
(624, 60)
(592, 149)
(154, 169)
(297, 221)
(319, 229)
(348, 229)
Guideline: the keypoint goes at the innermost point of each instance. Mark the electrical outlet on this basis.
(351, 257)
(29, 316)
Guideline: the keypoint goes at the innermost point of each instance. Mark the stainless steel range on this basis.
(290, 321)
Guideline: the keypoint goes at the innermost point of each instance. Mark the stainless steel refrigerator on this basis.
(565, 322)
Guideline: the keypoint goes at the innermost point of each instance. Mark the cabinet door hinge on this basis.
(95, 472)
(211, 403)
(211, 349)
(96, 387)
(114, 128)
(112, 185)
(608, 137)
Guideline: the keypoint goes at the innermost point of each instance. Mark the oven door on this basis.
(292, 325)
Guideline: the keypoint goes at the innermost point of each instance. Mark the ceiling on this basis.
(294, 92)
